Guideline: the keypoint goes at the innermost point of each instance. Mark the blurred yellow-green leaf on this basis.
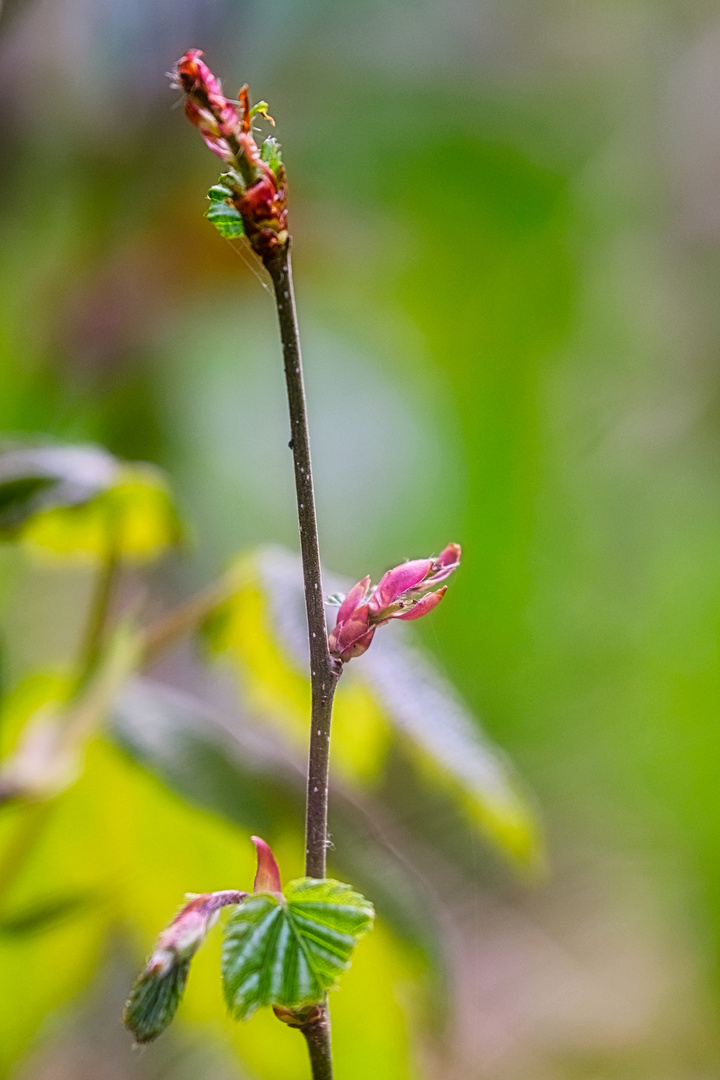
(139, 864)
(391, 697)
(134, 519)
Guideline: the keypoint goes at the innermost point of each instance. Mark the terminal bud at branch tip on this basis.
(402, 593)
(255, 183)
(267, 878)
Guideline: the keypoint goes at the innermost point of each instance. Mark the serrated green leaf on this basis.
(154, 1000)
(271, 154)
(291, 950)
(227, 219)
(218, 193)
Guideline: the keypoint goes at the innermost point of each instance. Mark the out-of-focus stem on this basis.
(35, 815)
(186, 617)
(97, 614)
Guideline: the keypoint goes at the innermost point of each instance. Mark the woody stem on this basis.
(324, 670)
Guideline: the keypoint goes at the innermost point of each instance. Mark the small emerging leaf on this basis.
(155, 997)
(271, 154)
(157, 992)
(289, 951)
(218, 193)
(261, 109)
(267, 878)
(226, 218)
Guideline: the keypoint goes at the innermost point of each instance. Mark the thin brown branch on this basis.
(324, 671)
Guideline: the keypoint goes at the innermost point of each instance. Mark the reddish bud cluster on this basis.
(205, 106)
(258, 193)
(402, 593)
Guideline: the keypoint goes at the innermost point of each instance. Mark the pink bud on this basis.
(200, 85)
(354, 648)
(350, 630)
(355, 597)
(442, 567)
(401, 594)
(421, 607)
(397, 581)
(267, 878)
(258, 192)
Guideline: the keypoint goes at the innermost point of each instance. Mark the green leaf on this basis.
(49, 752)
(261, 109)
(35, 478)
(80, 501)
(227, 219)
(271, 154)
(290, 950)
(43, 914)
(154, 1000)
(218, 193)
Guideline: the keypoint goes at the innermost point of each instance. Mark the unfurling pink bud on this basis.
(428, 602)
(397, 581)
(447, 561)
(402, 593)
(267, 878)
(213, 115)
(255, 187)
(156, 993)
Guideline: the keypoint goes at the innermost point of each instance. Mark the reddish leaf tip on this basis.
(267, 878)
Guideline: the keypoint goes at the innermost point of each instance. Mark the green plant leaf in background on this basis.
(96, 843)
(244, 772)
(50, 740)
(35, 478)
(135, 518)
(391, 700)
(81, 501)
(290, 950)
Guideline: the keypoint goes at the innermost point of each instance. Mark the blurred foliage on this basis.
(52, 721)
(506, 246)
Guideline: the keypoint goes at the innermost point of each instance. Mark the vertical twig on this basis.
(324, 671)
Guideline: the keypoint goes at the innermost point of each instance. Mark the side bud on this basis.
(406, 592)
(157, 992)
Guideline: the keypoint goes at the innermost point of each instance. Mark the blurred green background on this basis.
(506, 222)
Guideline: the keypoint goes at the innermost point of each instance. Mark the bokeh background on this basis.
(507, 254)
